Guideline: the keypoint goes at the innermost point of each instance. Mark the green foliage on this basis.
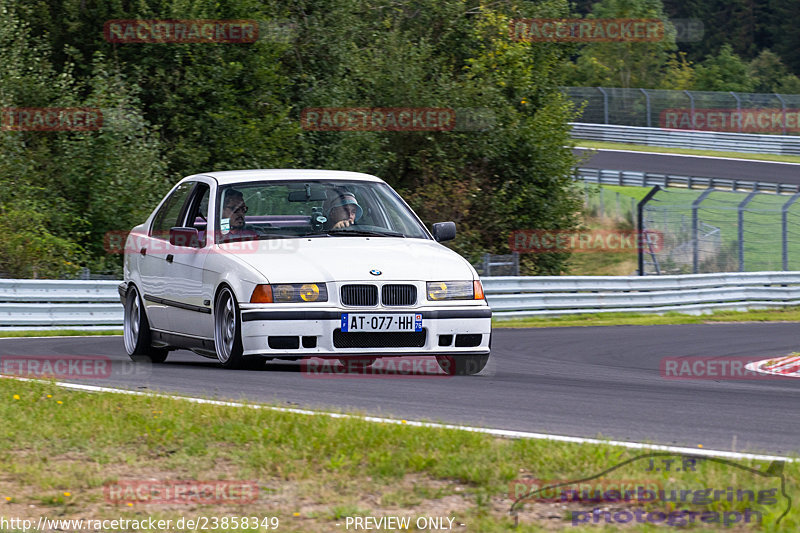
(176, 109)
(724, 72)
(512, 174)
(624, 64)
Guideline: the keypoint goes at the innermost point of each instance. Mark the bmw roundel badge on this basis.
(375, 272)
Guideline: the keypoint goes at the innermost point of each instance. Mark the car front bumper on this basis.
(463, 330)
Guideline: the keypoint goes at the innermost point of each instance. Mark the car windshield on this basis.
(291, 209)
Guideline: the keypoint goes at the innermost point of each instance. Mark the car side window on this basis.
(167, 216)
(197, 214)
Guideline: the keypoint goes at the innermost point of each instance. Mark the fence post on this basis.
(783, 106)
(486, 267)
(647, 105)
(695, 229)
(602, 203)
(691, 107)
(640, 226)
(605, 103)
(738, 109)
(740, 226)
(784, 230)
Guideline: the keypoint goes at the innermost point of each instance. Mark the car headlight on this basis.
(454, 290)
(290, 293)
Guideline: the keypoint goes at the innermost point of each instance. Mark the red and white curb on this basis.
(788, 366)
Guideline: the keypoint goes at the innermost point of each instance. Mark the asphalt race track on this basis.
(582, 382)
(681, 165)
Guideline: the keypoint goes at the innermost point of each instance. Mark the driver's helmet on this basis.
(339, 198)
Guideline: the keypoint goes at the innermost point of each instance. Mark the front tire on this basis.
(462, 365)
(136, 331)
(228, 330)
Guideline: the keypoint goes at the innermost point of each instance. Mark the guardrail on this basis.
(700, 140)
(94, 305)
(515, 297)
(37, 304)
(650, 179)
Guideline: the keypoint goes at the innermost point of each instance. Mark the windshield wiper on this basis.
(364, 233)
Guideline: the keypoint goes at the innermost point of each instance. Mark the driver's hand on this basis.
(341, 224)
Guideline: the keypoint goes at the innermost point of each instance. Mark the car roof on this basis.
(238, 176)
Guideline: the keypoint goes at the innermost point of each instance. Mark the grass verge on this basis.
(65, 450)
(687, 151)
(789, 314)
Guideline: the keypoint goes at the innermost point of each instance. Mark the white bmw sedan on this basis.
(252, 265)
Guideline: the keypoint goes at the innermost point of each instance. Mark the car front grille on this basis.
(379, 339)
(360, 295)
(395, 295)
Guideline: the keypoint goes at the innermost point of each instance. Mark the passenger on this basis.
(342, 209)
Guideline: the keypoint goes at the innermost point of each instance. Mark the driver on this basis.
(342, 209)
(233, 210)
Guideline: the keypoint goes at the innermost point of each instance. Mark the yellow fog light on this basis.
(437, 290)
(450, 290)
(309, 292)
(282, 293)
(300, 292)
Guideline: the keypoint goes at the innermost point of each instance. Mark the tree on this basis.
(513, 174)
(770, 75)
(724, 72)
(625, 64)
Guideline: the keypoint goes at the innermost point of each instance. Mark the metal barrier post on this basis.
(740, 226)
(695, 228)
(647, 105)
(640, 225)
(605, 103)
(783, 105)
(784, 230)
(738, 109)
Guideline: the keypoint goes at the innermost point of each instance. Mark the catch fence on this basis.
(656, 108)
(705, 231)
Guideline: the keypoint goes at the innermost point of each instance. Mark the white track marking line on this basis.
(494, 432)
(687, 155)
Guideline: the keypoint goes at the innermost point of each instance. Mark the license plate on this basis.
(358, 322)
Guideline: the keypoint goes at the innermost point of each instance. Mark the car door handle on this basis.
(170, 257)
(143, 251)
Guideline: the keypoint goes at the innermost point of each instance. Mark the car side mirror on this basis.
(188, 237)
(444, 231)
